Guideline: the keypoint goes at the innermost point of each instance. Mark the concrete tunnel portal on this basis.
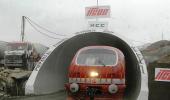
(52, 75)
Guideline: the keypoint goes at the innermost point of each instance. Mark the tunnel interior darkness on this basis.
(65, 52)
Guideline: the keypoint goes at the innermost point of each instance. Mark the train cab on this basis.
(96, 73)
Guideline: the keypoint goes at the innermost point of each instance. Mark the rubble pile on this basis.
(12, 82)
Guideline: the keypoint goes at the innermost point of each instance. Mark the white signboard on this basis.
(162, 74)
(97, 12)
(97, 25)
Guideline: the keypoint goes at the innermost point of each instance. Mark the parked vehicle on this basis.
(20, 54)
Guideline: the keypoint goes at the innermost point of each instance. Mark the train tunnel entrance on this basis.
(52, 75)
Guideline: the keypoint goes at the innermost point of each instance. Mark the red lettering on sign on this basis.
(97, 12)
(163, 75)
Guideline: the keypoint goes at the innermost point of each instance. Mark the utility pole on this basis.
(22, 28)
(97, 8)
(162, 35)
(97, 2)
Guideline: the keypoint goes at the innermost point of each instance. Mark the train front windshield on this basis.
(97, 57)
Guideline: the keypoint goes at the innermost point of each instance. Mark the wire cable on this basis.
(139, 41)
(32, 22)
(43, 27)
(42, 32)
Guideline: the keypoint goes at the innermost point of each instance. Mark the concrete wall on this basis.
(158, 90)
(51, 73)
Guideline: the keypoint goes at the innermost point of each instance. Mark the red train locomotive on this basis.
(97, 73)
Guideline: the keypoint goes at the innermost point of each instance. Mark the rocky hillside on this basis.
(41, 49)
(156, 51)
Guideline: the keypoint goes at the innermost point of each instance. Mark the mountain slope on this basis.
(156, 51)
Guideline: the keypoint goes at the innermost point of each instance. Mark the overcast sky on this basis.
(140, 20)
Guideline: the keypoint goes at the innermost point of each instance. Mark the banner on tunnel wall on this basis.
(162, 74)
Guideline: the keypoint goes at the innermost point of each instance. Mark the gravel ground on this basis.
(54, 96)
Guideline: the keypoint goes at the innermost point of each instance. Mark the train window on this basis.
(97, 57)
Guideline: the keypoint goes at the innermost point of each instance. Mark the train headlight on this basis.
(112, 88)
(94, 74)
(74, 87)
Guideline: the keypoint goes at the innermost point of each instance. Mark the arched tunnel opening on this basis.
(56, 66)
